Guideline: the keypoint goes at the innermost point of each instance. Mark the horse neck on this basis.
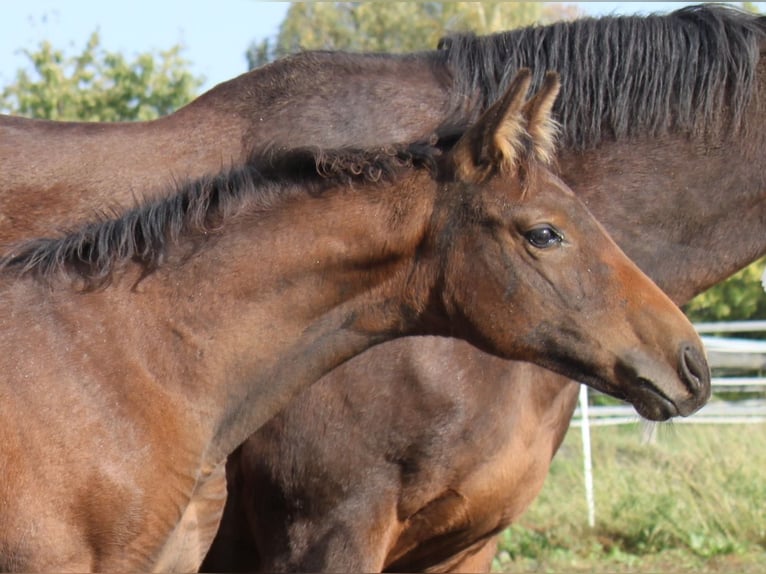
(687, 211)
(56, 175)
(271, 305)
(70, 170)
(336, 99)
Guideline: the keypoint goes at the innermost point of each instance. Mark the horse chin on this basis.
(659, 392)
(652, 404)
(648, 400)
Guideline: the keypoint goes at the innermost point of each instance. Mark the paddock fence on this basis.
(738, 366)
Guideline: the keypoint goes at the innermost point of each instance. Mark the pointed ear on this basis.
(541, 126)
(495, 140)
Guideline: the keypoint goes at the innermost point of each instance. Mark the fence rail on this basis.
(731, 327)
(741, 412)
(724, 355)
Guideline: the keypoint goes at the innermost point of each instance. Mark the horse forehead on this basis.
(543, 181)
(553, 195)
(552, 184)
(545, 191)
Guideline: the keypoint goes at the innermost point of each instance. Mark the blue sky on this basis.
(215, 35)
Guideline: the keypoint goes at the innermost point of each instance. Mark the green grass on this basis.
(694, 500)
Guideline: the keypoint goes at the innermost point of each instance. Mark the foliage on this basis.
(98, 85)
(739, 298)
(394, 26)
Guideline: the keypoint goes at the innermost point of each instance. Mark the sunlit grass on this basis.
(698, 493)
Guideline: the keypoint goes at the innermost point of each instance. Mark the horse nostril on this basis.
(695, 371)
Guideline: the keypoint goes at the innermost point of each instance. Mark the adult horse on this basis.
(649, 146)
(454, 461)
(638, 90)
(174, 331)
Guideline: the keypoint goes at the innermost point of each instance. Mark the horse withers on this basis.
(173, 332)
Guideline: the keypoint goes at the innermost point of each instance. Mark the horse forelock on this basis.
(693, 69)
(89, 255)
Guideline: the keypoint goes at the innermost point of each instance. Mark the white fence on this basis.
(724, 355)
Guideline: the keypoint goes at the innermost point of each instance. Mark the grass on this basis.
(694, 501)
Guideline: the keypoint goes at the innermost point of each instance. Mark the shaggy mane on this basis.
(692, 70)
(202, 207)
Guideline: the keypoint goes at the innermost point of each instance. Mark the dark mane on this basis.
(675, 71)
(199, 209)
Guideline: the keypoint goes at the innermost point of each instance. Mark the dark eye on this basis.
(543, 236)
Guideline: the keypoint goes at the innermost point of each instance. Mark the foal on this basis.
(661, 142)
(176, 330)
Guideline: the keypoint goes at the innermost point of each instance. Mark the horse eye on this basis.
(543, 236)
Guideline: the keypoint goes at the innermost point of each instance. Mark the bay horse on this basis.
(640, 115)
(174, 331)
(455, 461)
(654, 144)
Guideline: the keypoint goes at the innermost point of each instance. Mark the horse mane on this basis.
(199, 209)
(692, 70)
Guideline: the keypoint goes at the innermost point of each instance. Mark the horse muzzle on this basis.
(658, 392)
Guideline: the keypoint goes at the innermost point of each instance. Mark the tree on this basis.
(100, 86)
(741, 297)
(394, 26)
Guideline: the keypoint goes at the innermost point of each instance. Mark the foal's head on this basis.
(528, 272)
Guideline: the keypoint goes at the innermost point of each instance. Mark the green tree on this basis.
(99, 86)
(394, 26)
(741, 297)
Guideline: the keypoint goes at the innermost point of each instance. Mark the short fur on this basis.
(120, 405)
(676, 203)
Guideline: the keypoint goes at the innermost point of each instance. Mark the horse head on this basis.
(588, 311)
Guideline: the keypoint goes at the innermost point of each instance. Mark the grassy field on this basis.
(694, 501)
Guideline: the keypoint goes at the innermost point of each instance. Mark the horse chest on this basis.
(189, 541)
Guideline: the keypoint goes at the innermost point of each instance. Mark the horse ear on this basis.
(541, 126)
(496, 138)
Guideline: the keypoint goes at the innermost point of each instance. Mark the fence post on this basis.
(586, 452)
